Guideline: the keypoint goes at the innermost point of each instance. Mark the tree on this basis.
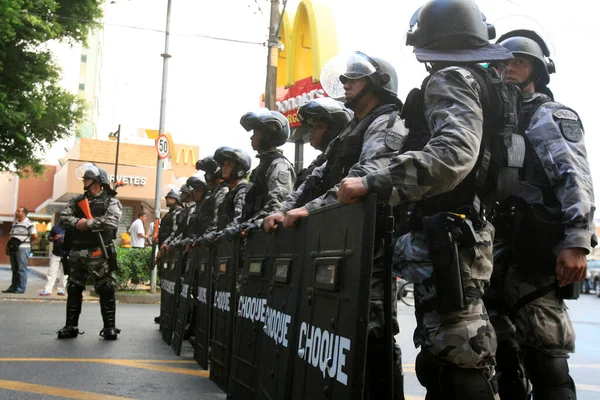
(35, 111)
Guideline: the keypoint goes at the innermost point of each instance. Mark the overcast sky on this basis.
(211, 83)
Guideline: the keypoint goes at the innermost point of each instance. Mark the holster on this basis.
(443, 232)
(112, 257)
(65, 263)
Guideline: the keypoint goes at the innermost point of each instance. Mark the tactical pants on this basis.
(376, 346)
(463, 339)
(543, 325)
(83, 267)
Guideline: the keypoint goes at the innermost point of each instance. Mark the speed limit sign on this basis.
(162, 147)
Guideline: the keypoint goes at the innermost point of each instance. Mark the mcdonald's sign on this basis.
(308, 44)
(187, 152)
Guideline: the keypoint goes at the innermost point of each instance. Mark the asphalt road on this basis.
(36, 365)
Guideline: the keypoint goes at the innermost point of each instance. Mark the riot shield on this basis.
(166, 288)
(223, 310)
(334, 303)
(279, 342)
(186, 279)
(203, 300)
(172, 283)
(251, 302)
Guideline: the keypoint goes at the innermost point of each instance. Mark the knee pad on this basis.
(549, 375)
(465, 384)
(428, 371)
(74, 289)
(105, 289)
(510, 378)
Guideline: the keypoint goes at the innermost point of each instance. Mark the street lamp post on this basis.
(116, 136)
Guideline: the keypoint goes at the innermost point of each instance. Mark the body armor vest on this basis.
(166, 225)
(203, 216)
(345, 149)
(501, 104)
(227, 207)
(89, 239)
(256, 197)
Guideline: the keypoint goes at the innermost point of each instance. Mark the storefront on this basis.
(45, 196)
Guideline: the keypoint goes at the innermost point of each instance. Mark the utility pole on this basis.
(161, 130)
(272, 56)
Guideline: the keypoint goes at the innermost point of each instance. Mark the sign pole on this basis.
(161, 131)
(272, 57)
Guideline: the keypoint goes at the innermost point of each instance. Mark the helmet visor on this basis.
(341, 68)
(87, 170)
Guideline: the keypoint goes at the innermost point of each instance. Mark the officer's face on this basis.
(353, 87)
(228, 166)
(519, 69)
(198, 193)
(255, 139)
(170, 201)
(317, 129)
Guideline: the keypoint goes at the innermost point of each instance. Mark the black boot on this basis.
(74, 301)
(108, 309)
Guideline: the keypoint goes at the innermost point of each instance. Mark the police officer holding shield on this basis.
(90, 222)
(376, 133)
(217, 187)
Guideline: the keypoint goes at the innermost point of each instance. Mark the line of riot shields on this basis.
(278, 316)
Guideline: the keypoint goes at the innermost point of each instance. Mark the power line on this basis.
(197, 35)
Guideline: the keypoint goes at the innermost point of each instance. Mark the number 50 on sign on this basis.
(162, 147)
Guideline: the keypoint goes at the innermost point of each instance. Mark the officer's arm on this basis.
(238, 203)
(280, 182)
(292, 199)
(566, 165)
(455, 118)
(67, 218)
(380, 145)
(108, 221)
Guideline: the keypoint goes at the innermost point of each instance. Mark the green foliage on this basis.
(134, 267)
(35, 111)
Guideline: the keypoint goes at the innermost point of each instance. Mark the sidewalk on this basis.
(36, 280)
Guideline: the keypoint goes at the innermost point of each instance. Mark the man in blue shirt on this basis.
(55, 268)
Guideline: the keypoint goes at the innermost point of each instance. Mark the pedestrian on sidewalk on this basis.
(138, 232)
(55, 269)
(19, 248)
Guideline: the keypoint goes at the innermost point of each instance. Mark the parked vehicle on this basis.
(592, 279)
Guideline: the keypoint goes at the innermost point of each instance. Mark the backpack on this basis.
(502, 149)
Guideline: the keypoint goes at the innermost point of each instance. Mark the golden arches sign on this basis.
(308, 44)
(187, 152)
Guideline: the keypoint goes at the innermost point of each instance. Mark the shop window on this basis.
(40, 247)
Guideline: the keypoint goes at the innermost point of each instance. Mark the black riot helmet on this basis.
(327, 110)
(453, 31)
(527, 42)
(173, 195)
(196, 183)
(242, 160)
(383, 79)
(274, 126)
(92, 171)
(210, 167)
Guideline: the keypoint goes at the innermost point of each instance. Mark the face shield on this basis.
(254, 119)
(341, 68)
(87, 170)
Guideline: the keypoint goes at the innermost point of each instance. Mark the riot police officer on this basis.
(197, 217)
(216, 185)
(457, 340)
(368, 142)
(274, 177)
(552, 197)
(179, 216)
(91, 253)
(166, 223)
(325, 117)
(235, 165)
